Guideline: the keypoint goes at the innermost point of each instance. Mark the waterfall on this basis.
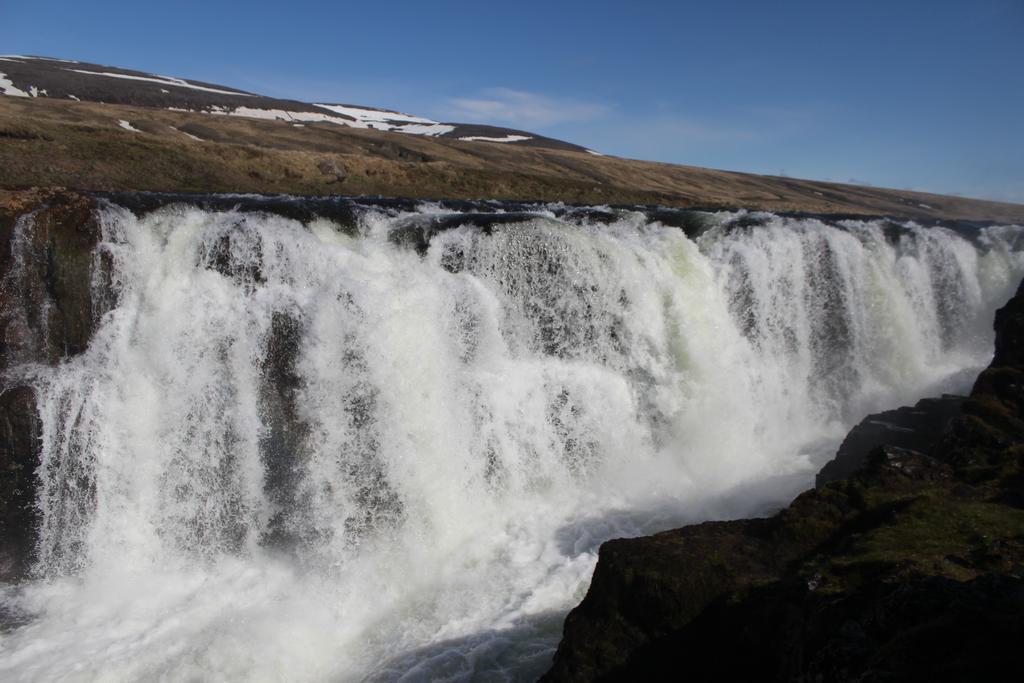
(319, 450)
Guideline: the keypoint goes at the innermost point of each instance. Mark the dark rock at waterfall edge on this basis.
(417, 231)
(916, 428)
(47, 313)
(912, 568)
(341, 210)
(19, 434)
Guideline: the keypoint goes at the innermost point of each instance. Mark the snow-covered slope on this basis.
(23, 76)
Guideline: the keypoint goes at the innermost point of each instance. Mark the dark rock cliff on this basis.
(46, 314)
(910, 569)
(918, 428)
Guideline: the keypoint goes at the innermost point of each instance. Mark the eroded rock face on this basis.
(46, 310)
(1009, 326)
(912, 568)
(19, 434)
(918, 428)
(46, 314)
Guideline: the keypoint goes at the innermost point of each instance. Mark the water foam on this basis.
(295, 453)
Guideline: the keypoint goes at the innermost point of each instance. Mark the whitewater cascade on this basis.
(389, 450)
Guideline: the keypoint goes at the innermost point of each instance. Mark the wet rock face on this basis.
(917, 428)
(909, 568)
(46, 308)
(417, 231)
(46, 314)
(19, 434)
(340, 210)
(1009, 327)
(284, 442)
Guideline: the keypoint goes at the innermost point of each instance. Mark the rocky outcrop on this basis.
(19, 434)
(46, 309)
(910, 569)
(46, 314)
(918, 428)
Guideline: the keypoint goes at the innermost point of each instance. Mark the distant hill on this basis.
(90, 127)
(25, 76)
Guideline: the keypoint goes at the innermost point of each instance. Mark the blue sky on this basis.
(904, 93)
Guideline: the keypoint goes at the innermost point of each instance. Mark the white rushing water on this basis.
(294, 454)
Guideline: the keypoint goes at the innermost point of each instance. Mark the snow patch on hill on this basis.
(7, 87)
(507, 138)
(428, 127)
(432, 130)
(188, 135)
(163, 80)
(22, 58)
(367, 115)
(274, 114)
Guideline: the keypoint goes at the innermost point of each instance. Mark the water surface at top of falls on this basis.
(372, 440)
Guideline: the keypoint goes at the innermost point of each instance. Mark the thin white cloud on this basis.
(517, 108)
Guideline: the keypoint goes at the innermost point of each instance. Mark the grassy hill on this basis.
(47, 142)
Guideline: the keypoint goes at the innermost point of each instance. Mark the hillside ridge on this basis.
(126, 130)
(34, 77)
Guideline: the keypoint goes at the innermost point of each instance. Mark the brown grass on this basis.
(79, 145)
